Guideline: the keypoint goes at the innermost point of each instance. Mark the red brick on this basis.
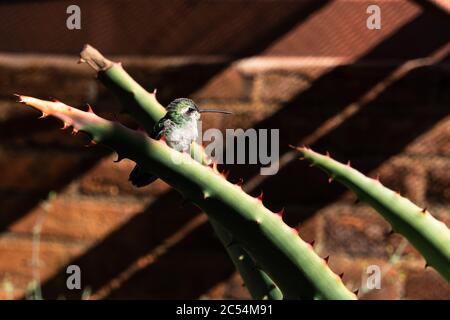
(391, 287)
(435, 141)
(207, 28)
(13, 285)
(281, 87)
(438, 181)
(360, 231)
(357, 231)
(40, 170)
(237, 86)
(18, 266)
(233, 288)
(309, 226)
(404, 175)
(79, 218)
(355, 277)
(61, 78)
(328, 32)
(425, 284)
(111, 178)
(441, 213)
(409, 253)
(310, 229)
(301, 66)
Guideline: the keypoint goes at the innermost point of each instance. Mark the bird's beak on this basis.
(214, 111)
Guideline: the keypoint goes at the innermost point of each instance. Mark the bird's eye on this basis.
(190, 110)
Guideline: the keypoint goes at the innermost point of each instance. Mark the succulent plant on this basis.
(428, 235)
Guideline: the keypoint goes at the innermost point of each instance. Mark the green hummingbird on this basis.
(179, 128)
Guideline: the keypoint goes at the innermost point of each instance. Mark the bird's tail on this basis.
(140, 178)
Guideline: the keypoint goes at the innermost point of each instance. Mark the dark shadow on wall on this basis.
(195, 265)
(33, 169)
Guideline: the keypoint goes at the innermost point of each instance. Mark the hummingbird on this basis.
(179, 129)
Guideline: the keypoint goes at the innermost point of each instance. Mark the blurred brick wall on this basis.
(379, 98)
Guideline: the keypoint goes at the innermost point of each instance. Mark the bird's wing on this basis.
(138, 177)
(158, 129)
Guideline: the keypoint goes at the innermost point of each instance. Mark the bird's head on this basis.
(186, 108)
